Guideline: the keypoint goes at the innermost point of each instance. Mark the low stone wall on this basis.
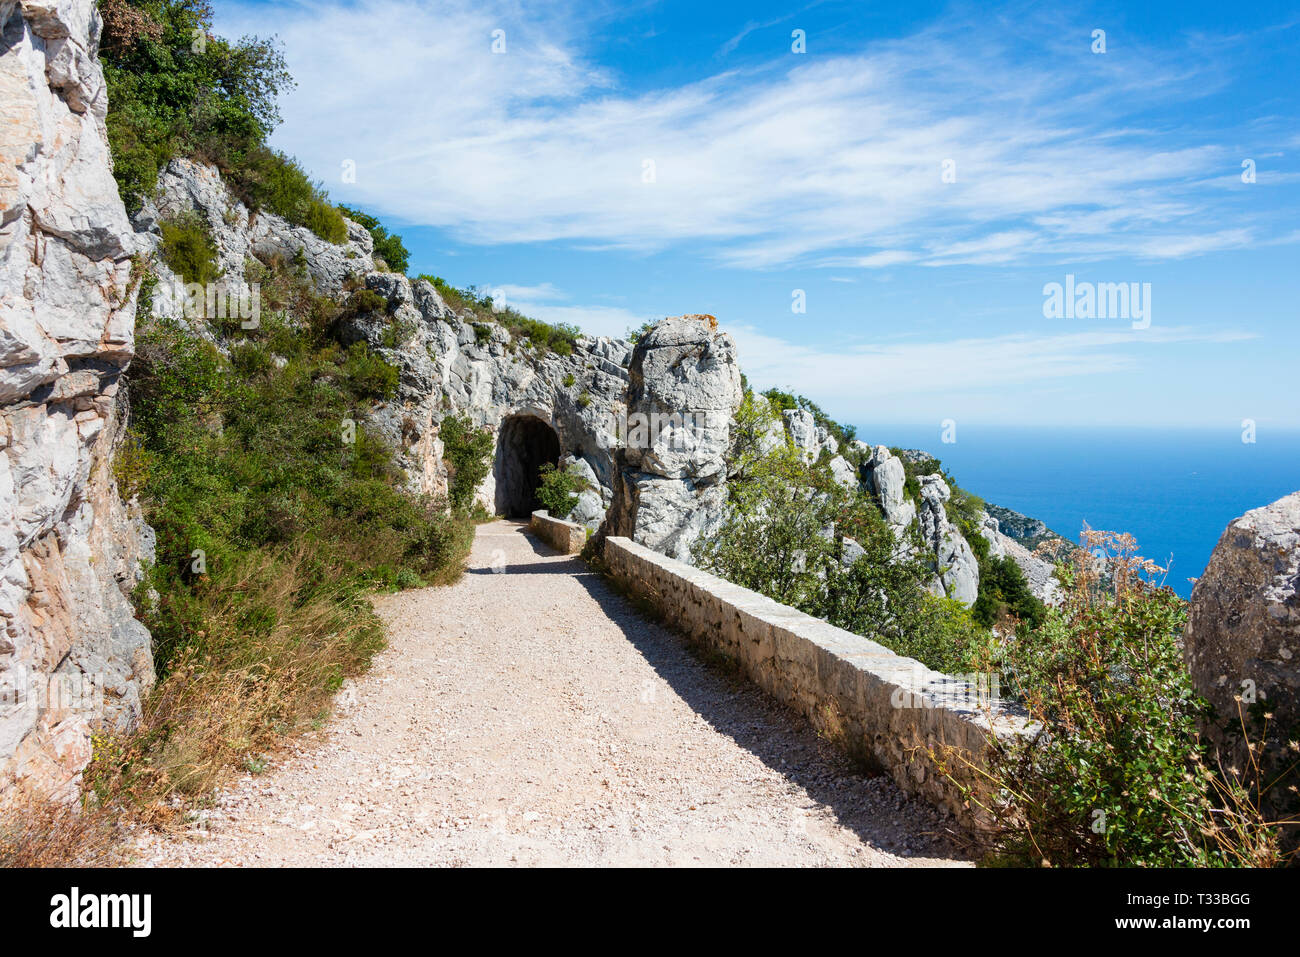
(878, 705)
(567, 537)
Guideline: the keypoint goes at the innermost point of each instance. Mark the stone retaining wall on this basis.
(878, 705)
(567, 537)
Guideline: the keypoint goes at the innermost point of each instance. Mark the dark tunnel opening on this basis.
(524, 444)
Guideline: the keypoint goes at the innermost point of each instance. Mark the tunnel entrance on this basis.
(524, 444)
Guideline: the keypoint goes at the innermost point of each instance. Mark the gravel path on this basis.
(529, 715)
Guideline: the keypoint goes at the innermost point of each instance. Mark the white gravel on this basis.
(529, 715)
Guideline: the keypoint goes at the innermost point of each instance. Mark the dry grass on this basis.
(38, 832)
(263, 671)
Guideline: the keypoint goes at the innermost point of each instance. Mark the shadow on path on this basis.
(779, 736)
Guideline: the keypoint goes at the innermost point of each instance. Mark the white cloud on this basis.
(833, 157)
(904, 375)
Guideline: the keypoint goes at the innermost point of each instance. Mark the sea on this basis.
(1174, 490)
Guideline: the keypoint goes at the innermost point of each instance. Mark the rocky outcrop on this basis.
(72, 655)
(684, 389)
(448, 363)
(808, 437)
(1243, 624)
(883, 475)
(1242, 647)
(957, 573)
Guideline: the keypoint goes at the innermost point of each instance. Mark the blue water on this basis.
(1174, 490)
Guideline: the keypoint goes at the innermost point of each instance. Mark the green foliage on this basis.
(325, 221)
(467, 451)
(634, 335)
(388, 246)
(170, 94)
(176, 90)
(1118, 774)
(774, 540)
(558, 339)
(558, 489)
(880, 596)
(188, 249)
(249, 462)
(1004, 593)
(368, 374)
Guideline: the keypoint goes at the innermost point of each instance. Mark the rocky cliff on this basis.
(1242, 646)
(72, 655)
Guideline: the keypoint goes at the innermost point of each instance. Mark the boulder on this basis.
(1242, 647)
(670, 486)
(1243, 623)
(844, 473)
(808, 437)
(885, 477)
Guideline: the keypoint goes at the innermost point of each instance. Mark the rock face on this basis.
(808, 437)
(884, 475)
(1243, 623)
(537, 406)
(956, 568)
(684, 389)
(72, 656)
(1243, 639)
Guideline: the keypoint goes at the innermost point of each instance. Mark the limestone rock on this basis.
(885, 476)
(956, 566)
(670, 487)
(72, 656)
(1243, 623)
(844, 473)
(1243, 639)
(808, 437)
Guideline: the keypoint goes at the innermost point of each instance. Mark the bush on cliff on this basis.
(1118, 775)
(188, 249)
(174, 89)
(388, 246)
(774, 540)
(276, 510)
(557, 489)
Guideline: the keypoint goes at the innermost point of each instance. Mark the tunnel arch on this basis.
(525, 443)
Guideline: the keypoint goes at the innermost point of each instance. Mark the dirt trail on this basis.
(529, 715)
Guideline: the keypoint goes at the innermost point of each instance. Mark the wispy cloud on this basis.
(901, 373)
(833, 160)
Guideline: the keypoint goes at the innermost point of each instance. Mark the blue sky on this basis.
(823, 171)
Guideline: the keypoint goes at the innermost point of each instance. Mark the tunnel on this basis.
(524, 444)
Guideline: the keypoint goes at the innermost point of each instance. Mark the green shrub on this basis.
(1119, 774)
(466, 450)
(388, 246)
(558, 489)
(169, 96)
(188, 249)
(1004, 593)
(370, 376)
(326, 222)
